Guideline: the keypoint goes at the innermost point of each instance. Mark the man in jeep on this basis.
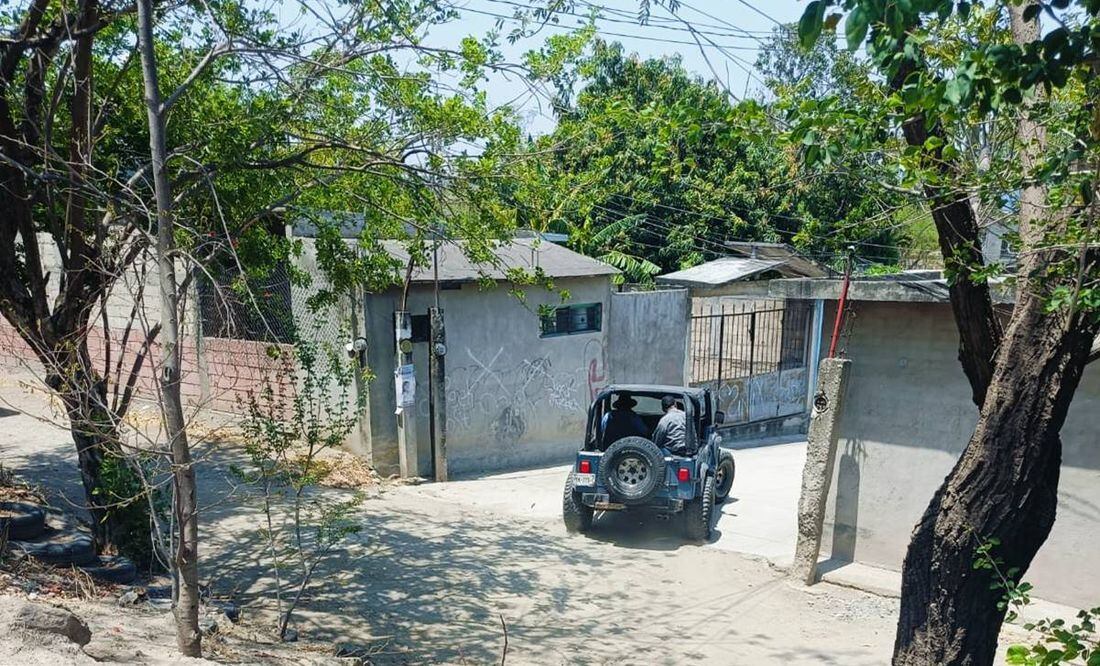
(622, 420)
(671, 432)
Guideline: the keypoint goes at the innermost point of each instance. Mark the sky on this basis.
(736, 29)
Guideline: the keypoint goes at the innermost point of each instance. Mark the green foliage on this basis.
(1056, 642)
(298, 414)
(130, 497)
(956, 66)
(1059, 642)
(653, 169)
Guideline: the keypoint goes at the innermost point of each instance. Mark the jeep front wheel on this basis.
(577, 516)
(698, 513)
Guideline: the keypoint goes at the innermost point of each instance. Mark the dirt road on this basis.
(436, 569)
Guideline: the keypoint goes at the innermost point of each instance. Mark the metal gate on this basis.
(754, 356)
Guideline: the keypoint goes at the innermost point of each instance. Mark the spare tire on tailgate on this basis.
(632, 470)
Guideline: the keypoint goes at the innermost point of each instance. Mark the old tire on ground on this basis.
(59, 547)
(22, 520)
(111, 569)
(632, 470)
(577, 516)
(699, 512)
(723, 476)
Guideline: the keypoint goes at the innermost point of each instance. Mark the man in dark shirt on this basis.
(671, 432)
(622, 421)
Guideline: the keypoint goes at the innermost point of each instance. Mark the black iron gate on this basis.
(754, 356)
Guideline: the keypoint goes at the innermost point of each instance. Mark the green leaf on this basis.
(1017, 654)
(809, 27)
(855, 29)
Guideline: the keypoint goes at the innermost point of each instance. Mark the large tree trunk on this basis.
(1005, 486)
(185, 502)
(94, 430)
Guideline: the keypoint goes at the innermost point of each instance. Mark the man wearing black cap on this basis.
(622, 421)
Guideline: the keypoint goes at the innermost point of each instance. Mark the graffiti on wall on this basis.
(764, 396)
(493, 395)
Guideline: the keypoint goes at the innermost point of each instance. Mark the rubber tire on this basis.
(59, 547)
(699, 512)
(728, 470)
(28, 521)
(112, 570)
(642, 448)
(577, 516)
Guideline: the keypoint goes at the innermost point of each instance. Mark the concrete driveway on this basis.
(759, 518)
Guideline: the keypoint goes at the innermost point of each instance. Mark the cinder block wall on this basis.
(908, 416)
(232, 368)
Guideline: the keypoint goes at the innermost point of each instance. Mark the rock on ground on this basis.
(52, 620)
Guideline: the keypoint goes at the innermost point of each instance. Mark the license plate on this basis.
(584, 479)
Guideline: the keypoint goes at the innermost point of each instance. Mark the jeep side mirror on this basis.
(719, 417)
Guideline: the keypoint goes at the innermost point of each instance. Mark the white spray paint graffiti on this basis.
(487, 398)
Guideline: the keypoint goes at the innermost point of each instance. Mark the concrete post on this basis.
(817, 475)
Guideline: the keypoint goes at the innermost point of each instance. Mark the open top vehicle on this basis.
(615, 472)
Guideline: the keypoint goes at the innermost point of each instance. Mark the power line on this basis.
(648, 38)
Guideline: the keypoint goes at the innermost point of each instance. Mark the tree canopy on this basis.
(654, 169)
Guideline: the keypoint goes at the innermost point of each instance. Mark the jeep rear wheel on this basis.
(698, 513)
(577, 516)
(723, 476)
(632, 470)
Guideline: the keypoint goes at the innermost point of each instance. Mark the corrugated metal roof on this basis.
(719, 272)
(524, 253)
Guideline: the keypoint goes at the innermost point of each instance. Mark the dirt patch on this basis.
(13, 490)
(341, 469)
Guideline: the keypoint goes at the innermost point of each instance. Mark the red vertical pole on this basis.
(840, 306)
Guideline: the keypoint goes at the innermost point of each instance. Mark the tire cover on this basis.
(59, 547)
(632, 470)
(26, 520)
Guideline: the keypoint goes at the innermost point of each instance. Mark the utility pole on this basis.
(405, 387)
(438, 381)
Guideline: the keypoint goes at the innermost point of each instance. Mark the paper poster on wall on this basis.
(405, 380)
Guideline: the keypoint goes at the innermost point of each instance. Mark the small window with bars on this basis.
(570, 319)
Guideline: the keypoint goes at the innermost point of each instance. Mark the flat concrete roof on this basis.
(518, 253)
(910, 287)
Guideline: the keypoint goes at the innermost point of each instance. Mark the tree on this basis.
(254, 123)
(185, 493)
(653, 169)
(1024, 374)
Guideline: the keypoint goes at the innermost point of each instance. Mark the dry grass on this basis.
(341, 469)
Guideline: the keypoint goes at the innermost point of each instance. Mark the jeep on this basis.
(613, 472)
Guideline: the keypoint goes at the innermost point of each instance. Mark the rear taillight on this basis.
(584, 467)
(683, 474)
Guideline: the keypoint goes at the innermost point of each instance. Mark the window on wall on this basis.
(569, 319)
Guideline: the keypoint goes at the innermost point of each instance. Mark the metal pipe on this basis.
(840, 304)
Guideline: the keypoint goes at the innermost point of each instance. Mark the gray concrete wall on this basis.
(908, 416)
(648, 334)
(514, 399)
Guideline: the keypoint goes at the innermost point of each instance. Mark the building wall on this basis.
(649, 335)
(216, 373)
(513, 399)
(908, 416)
